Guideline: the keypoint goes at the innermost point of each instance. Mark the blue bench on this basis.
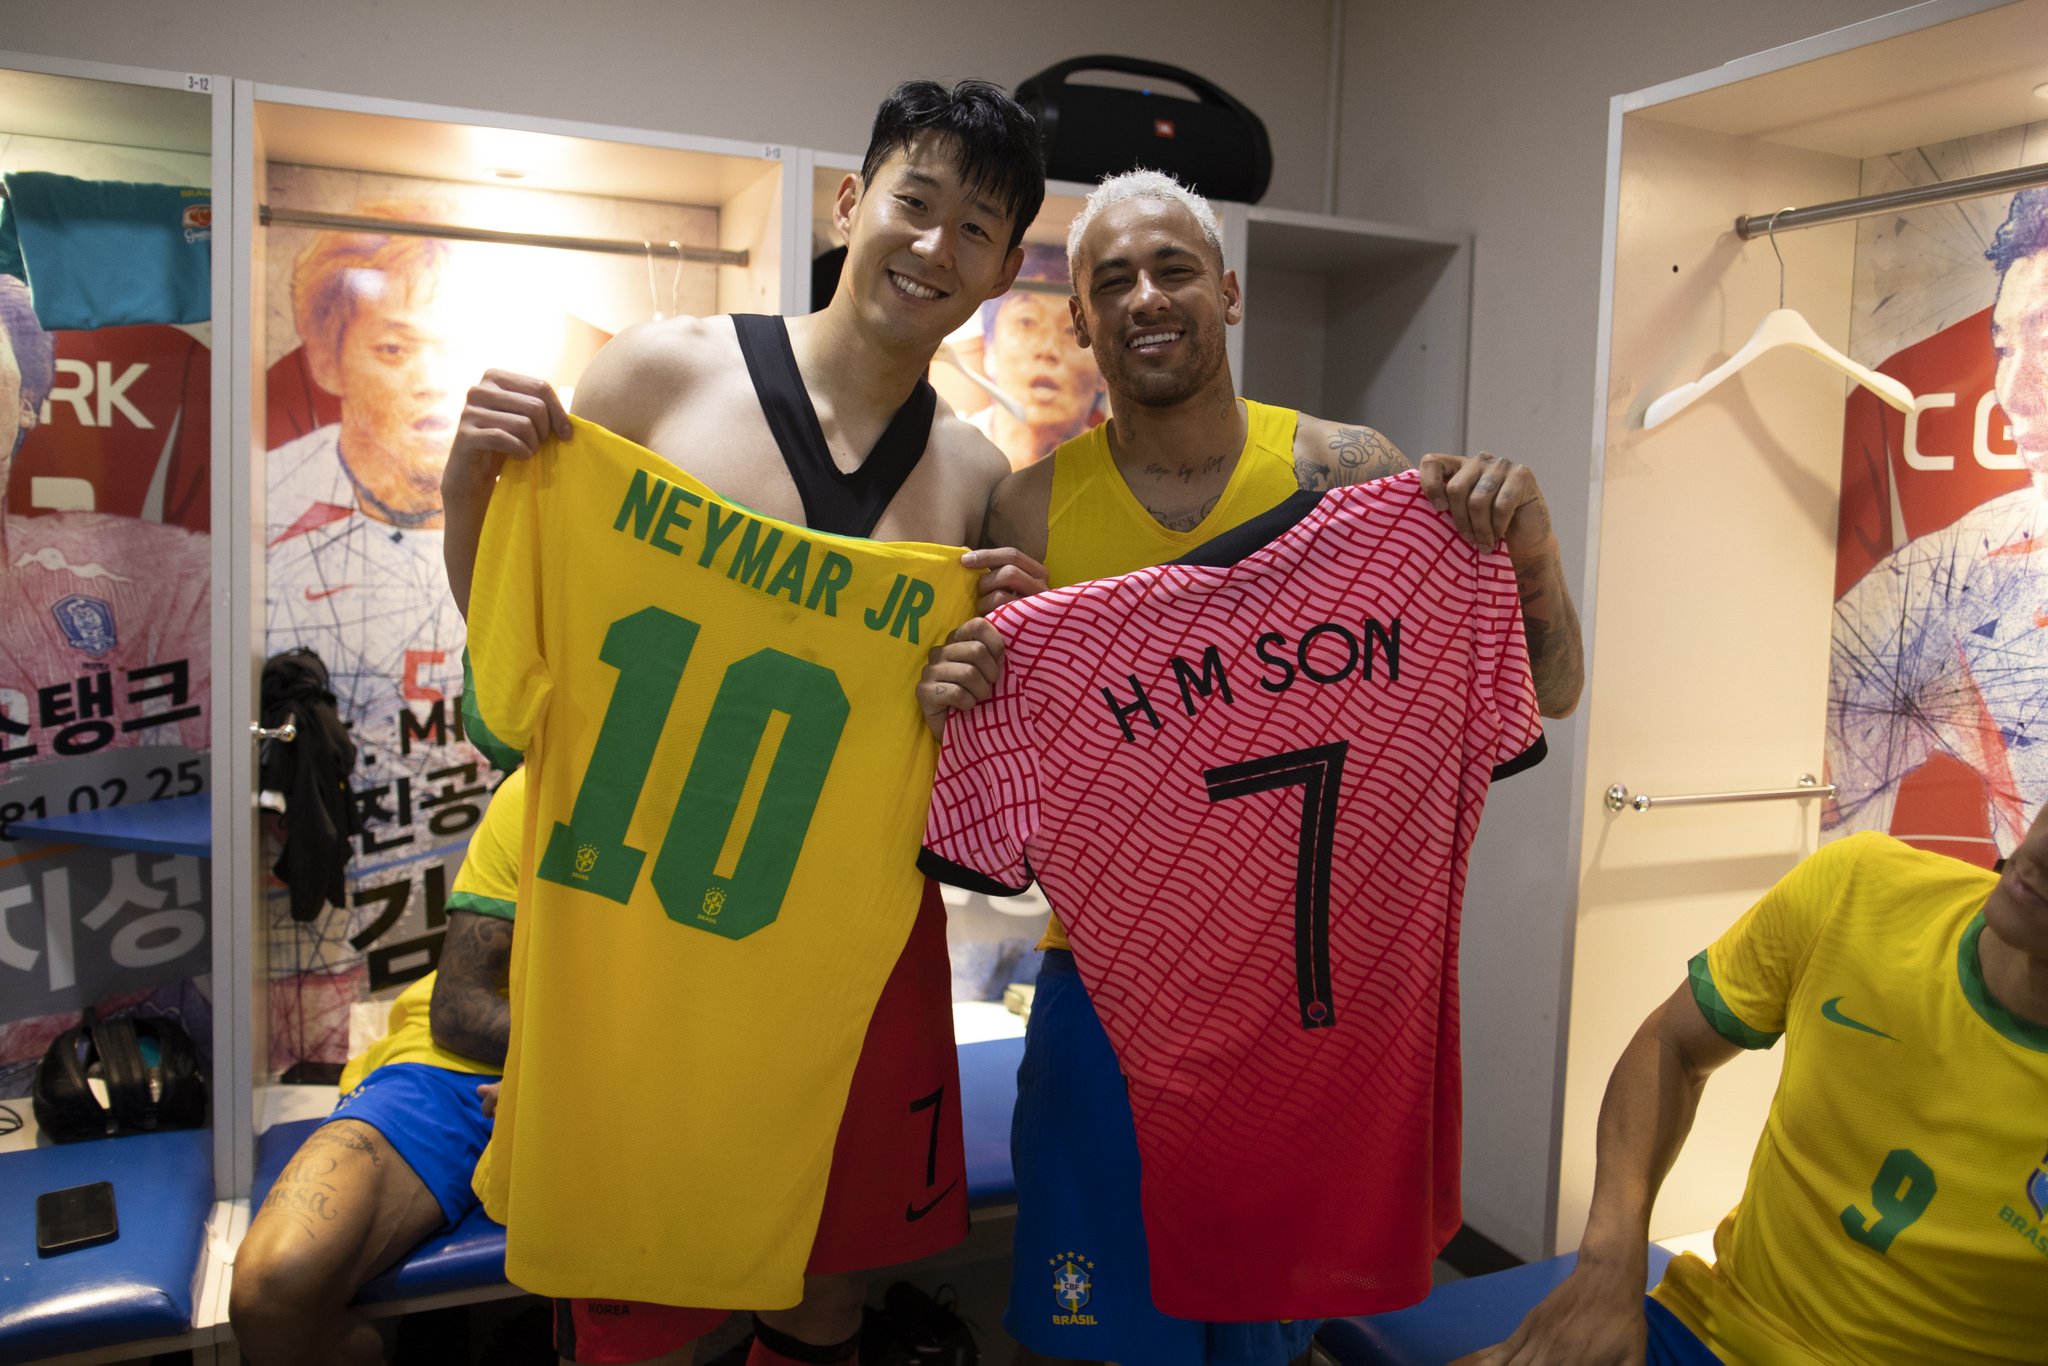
(1457, 1318)
(134, 1289)
(471, 1256)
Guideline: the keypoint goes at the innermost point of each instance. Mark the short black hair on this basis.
(2024, 232)
(997, 141)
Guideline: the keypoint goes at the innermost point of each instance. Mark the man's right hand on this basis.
(1594, 1319)
(504, 415)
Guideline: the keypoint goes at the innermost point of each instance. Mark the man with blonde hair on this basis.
(1181, 460)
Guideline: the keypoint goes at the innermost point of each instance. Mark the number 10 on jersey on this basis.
(698, 878)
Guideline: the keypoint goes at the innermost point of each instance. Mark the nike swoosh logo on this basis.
(312, 596)
(1832, 1010)
(913, 1213)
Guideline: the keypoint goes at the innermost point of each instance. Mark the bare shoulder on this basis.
(1019, 510)
(1328, 453)
(641, 373)
(965, 448)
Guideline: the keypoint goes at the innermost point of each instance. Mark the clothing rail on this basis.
(296, 218)
(1915, 197)
(1809, 786)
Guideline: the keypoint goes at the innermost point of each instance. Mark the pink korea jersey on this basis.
(1248, 784)
(103, 636)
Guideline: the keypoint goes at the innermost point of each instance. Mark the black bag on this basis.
(142, 1095)
(1213, 145)
(312, 771)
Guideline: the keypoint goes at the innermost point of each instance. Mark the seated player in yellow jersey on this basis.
(1181, 460)
(1897, 1205)
(392, 1166)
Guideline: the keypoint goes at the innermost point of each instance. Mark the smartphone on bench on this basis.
(76, 1217)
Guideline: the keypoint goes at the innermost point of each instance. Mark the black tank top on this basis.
(849, 504)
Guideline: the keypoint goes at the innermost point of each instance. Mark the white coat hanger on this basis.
(653, 296)
(1781, 326)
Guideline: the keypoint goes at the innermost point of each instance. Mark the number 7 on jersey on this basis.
(1319, 772)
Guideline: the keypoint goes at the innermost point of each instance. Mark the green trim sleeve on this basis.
(1725, 1021)
(503, 757)
(481, 905)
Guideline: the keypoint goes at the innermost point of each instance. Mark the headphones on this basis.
(151, 1074)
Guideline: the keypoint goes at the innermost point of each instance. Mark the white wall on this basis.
(799, 72)
(1492, 117)
(1484, 115)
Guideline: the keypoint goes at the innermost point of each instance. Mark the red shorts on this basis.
(898, 1186)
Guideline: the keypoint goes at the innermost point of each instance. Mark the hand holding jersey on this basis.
(932, 222)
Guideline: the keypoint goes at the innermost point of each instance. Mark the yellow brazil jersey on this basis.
(1096, 527)
(728, 776)
(488, 884)
(1894, 1209)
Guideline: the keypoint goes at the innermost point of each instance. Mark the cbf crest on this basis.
(88, 623)
(2037, 1189)
(1073, 1284)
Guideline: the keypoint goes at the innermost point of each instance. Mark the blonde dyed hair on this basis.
(1131, 185)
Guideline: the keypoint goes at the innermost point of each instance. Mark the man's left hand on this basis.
(1007, 575)
(960, 673)
(1489, 498)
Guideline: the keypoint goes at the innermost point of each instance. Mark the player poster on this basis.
(104, 640)
(1015, 370)
(371, 341)
(1938, 683)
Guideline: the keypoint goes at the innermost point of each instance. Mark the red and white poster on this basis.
(105, 575)
(1938, 680)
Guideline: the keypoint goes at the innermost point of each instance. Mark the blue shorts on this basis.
(1080, 1281)
(1671, 1342)
(433, 1120)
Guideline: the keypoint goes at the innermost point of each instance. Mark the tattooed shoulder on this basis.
(1362, 454)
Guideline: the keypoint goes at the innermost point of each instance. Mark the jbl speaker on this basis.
(1212, 144)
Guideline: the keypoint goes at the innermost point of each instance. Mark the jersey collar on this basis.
(2025, 1033)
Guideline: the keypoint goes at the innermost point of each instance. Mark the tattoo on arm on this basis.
(1557, 659)
(469, 1013)
(1360, 455)
(1312, 475)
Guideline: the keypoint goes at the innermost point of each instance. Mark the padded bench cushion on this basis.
(472, 1254)
(466, 1257)
(138, 1286)
(1457, 1318)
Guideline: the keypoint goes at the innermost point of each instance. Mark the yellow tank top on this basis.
(1096, 527)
